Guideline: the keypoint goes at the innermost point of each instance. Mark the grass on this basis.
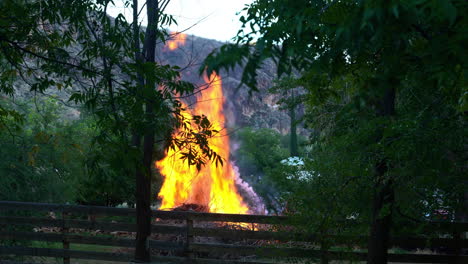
(81, 247)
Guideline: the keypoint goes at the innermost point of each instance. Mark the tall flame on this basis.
(213, 186)
(177, 40)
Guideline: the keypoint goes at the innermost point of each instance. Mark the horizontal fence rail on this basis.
(193, 237)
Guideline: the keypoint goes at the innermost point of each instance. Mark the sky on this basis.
(213, 19)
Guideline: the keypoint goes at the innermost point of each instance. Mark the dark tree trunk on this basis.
(381, 219)
(143, 211)
(294, 150)
(143, 177)
(383, 196)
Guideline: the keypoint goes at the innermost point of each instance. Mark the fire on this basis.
(213, 186)
(177, 40)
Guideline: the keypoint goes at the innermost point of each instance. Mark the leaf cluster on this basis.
(349, 54)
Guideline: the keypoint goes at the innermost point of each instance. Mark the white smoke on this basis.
(257, 206)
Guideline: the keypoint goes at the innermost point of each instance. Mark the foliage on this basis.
(42, 159)
(292, 98)
(106, 182)
(52, 157)
(259, 150)
(354, 56)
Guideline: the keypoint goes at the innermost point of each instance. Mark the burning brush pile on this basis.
(214, 188)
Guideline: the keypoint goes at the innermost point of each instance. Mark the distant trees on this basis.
(38, 161)
(292, 98)
(386, 91)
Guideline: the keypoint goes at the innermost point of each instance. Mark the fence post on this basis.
(65, 242)
(324, 246)
(457, 236)
(189, 238)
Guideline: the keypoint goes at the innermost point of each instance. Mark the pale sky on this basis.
(213, 19)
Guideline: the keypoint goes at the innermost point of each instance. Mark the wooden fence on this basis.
(191, 237)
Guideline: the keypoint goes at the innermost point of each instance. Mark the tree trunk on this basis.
(293, 148)
(381, 218)
(383, 196)
(143, 177)
(143, 211)
(293, 133)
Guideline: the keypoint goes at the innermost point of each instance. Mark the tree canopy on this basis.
(386, 91)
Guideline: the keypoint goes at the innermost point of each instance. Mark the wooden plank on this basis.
(168, 229)
(83, 209)
(120, 242)
(418, 258)
(248, 234)
(259, 219)
(85, 224)
(427, 258)
(255, 250)
(118, 257)
(235, 234)
(345, 255)
(403, 242)
(96, 210)
(167, 245)
(414, 242)
(172, 260)
(347, 240)
(45, 222)
(181, 260)
(229, 234)
(222, 261)
(72, 238)
(215, 217)
(16, 262)
(226, 233)
(60, 253)
(81, 239)
(333, 255)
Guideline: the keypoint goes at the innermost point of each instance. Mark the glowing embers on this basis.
(212, 187)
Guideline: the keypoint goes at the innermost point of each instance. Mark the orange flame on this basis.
(177, 40)
(213, 186)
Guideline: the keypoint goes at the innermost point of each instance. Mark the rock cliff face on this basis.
(256, 109)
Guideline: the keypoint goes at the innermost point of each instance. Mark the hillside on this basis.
(257, 109)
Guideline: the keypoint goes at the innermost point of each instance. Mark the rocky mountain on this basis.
(255, 109)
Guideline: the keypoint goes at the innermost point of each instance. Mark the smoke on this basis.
(256, 204)
(234, 147)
